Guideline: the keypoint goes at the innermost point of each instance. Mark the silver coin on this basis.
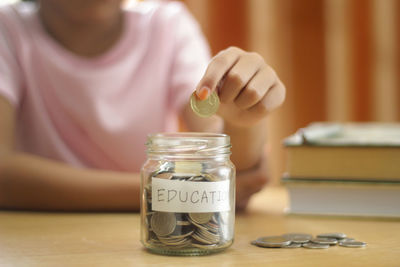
(293, 235)
(182, 235)
(209, 235)
(201, 218)
(314, 245)
(214, 238)
(183, 223)
(352, 244)
(212, 227)
(336, 235)
(324, 241)
(272, 241)
(202, 239)
(347, 239)
(293, 245)
(198, 225)
(299, 238)
(163, 223)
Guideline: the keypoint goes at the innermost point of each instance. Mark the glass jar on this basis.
(187, 194)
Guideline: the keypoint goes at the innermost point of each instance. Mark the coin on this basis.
(324, 241)
(212, 227)
(182, 235)
(293, 245)
(182, 223)
(298, 237)
(353, 244)
(333, 235)
(314, 245)
(210, 178)
(196, 179)
(163, 223)
(202, 239)
(201, 218)
(205, 108)
(209, 235)
(181, 229)
(272, 241)
(347, 239)
(164, 175)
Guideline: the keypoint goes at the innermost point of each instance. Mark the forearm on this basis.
(247, 144)
(31, 182)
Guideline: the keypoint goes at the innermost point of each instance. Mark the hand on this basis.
(247, 87)
(250, 182)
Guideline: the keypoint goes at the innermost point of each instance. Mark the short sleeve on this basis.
(191, 57)
(10, 72)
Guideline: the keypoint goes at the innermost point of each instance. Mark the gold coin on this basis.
(205, 108)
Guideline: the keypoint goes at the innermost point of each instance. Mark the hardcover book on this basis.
(353, 151)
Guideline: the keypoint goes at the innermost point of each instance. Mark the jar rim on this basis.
(188, 144)
(175, 135)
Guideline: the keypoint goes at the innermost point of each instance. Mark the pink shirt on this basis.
(97, 112)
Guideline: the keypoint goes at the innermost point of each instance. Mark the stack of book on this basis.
(344, 169)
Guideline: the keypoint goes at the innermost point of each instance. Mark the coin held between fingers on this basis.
(203, 93)
(205, 108)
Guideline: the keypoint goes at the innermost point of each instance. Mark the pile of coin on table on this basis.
(297, 240)
(185, 230)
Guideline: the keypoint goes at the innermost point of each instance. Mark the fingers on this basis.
(271, 100)
(239, 76)
(247, 87)
(216, 70)
(256, 88)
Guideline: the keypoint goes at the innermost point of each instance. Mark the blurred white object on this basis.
(7, 2)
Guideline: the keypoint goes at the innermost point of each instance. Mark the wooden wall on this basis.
(340, 59)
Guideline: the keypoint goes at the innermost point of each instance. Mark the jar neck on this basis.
(188, 146)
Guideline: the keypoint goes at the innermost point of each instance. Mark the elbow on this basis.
(4, 178)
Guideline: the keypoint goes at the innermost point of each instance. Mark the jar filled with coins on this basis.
(187, 194)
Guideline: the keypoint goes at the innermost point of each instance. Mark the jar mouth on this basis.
(175, 135)
(188, 144)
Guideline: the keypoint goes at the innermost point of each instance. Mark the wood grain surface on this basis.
(112, 239)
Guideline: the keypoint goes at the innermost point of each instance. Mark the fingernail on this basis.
(203, 93)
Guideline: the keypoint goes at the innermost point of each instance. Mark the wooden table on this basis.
(112, 239)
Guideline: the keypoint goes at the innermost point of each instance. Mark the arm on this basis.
(32, 182)
(248, 90)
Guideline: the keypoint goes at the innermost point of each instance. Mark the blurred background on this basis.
(339, 59)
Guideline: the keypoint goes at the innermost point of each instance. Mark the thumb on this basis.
(213, 77)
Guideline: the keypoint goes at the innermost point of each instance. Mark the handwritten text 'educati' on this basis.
(189, 196)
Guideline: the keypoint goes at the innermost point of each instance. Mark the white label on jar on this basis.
(188, 196)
